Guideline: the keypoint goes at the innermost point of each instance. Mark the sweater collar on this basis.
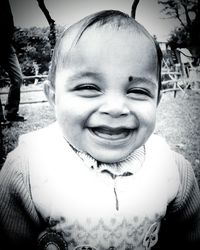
(126, 167)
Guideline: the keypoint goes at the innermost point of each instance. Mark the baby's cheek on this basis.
(147, 115)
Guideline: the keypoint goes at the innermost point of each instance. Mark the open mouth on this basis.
(111, 133)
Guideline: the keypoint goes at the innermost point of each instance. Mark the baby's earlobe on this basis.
(49, 92)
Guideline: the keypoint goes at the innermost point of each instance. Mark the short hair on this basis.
(115, 19)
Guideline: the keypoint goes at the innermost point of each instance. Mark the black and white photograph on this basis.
(100, 125)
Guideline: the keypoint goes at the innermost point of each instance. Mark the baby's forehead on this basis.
(130, 31)
(99, 47)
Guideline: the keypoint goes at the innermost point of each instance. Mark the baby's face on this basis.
(106, 93)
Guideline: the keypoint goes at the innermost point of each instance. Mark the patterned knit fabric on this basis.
(53, 196)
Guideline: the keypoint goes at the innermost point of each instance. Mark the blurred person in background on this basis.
(9, 62)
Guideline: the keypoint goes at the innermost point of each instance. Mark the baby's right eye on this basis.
(87, 87)
(88, 90)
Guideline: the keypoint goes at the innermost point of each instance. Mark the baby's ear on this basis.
(49, 92)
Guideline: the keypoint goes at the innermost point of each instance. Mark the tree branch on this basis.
(188, 20)
(133, 8)
(178, 17)
(45, 11)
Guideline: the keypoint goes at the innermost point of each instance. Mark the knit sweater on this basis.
(52, 194)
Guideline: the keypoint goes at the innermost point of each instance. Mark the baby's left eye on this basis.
(139, 92)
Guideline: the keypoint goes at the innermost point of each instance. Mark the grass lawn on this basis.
(178, 120)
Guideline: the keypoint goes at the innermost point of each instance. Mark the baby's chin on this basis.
(109, 158)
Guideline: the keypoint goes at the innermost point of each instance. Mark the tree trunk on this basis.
(52, 34)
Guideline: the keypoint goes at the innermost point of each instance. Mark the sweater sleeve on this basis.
(19, 221)
(181, 226)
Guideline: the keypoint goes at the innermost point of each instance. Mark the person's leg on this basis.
(13, 68)
(1, 112)
(3, 121)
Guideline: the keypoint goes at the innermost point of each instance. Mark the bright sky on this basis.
(27, 13)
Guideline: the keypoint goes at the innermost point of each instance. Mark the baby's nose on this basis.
(114, 107)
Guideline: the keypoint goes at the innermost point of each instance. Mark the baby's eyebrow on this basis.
(85, 74)
(141, 79)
